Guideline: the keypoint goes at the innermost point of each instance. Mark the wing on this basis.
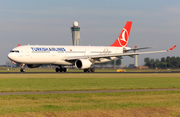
(114, 55)
(126, 50)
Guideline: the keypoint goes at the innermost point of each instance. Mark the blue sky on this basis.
(155, 23)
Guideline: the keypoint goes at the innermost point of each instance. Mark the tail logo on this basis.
(123, 38)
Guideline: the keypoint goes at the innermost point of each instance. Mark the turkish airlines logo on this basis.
(123, 38)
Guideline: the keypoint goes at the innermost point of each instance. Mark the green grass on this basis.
(77, 102)
(62, 82)
(54, 104)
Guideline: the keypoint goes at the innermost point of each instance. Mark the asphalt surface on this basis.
(76, 92)
(89, 72)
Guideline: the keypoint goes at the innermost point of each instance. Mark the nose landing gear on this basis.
(22, 68)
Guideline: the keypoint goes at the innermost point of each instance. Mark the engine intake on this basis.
(83, 63)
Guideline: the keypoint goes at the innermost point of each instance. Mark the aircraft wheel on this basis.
(22, 70)
(89, 69)
(85, 70)
(60, 69)
(57, 69)
(64, 69)
(92, 70)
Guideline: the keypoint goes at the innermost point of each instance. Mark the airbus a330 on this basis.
(82, 57)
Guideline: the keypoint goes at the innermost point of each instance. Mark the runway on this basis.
(76, 92)
(89, 72)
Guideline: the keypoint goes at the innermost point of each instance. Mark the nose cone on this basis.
(10, 56)
(13, 56)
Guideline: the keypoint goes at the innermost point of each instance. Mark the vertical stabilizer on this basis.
(122, 39)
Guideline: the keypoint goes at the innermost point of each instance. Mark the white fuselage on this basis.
(51, 54)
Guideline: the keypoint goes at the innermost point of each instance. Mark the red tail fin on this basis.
(122, 40)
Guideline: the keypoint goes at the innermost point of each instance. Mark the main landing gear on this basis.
(22, 68)
(89, 70)
(61, 69)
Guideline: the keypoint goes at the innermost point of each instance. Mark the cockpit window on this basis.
(15, 51)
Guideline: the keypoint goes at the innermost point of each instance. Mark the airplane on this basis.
(82, 57)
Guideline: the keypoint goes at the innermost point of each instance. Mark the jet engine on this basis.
(33, 65)
(83, 63)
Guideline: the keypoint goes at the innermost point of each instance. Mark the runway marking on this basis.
(76, 92)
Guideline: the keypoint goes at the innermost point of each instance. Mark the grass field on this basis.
(63, 82)
(156, 103)
(108, 104)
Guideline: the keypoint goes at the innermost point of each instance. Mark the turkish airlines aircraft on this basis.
(82, 57)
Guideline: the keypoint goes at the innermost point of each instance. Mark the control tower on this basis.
(75, 32)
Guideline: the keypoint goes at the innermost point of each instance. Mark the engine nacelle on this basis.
(83, 63)
(33, 65)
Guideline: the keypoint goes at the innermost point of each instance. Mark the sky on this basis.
(156, 23)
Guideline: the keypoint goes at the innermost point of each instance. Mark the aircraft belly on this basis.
(103, 60)
(60, 62)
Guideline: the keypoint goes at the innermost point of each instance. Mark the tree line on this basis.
(168, 62)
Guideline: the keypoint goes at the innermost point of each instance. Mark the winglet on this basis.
(172, 48)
